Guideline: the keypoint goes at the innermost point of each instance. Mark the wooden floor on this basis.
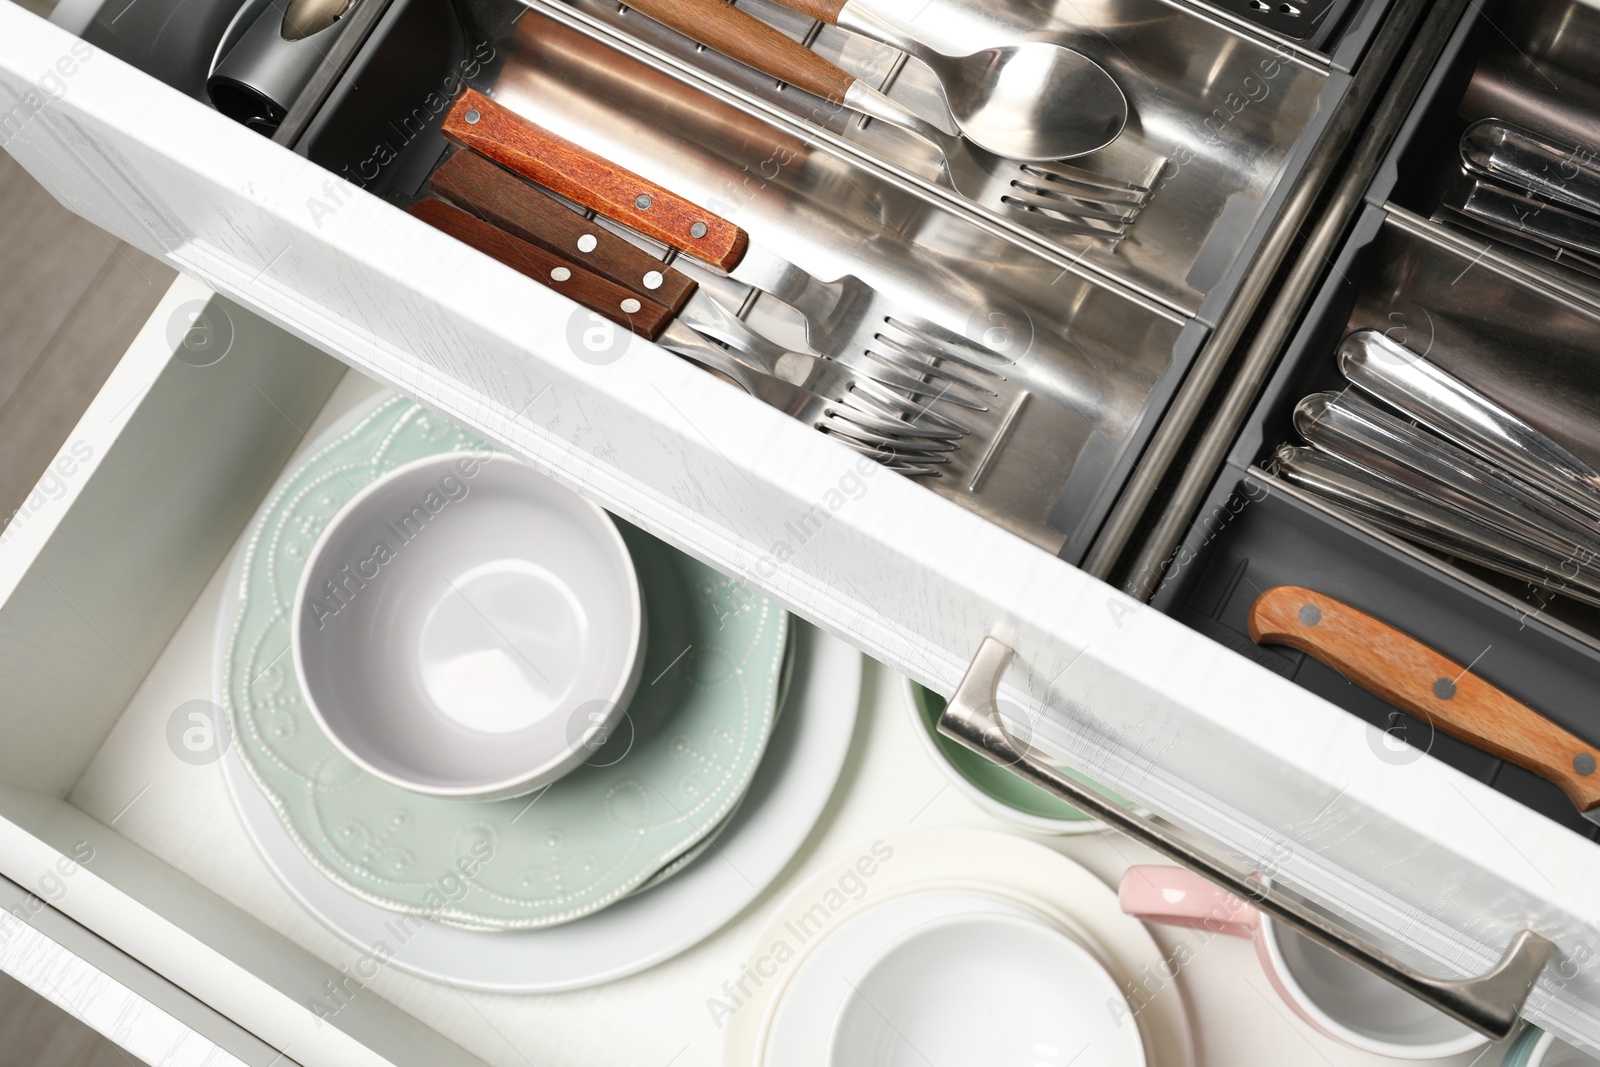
(71, 300)
(36, 1033)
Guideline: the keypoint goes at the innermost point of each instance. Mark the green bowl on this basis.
(993, 786)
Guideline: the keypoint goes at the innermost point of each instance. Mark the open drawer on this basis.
(179, 455)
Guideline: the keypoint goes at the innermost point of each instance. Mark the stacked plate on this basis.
(463, 695)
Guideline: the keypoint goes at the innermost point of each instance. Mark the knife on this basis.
(1421, 390)
(1414, 678)
(1541, 165)
(597, 184)
(472, 182)
(646, 318)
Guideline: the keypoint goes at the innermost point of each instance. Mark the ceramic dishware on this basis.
(1333, 995)
(816, 923)
(1536, 1048)
(983, 988)
(802, 1022)
(778, 812)
(678, 762)
(465, 627)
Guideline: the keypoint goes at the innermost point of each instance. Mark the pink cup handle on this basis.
(1173, 896)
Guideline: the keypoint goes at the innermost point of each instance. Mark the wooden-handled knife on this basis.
(619, 304)
(528, 149)
(1420, 681)
(497, 196)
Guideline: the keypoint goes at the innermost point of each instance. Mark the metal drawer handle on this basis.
(1489, 1003)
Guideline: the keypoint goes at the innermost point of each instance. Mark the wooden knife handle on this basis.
(471, 182)
(587, 288)
(741, 36)
(578, 174)
(1416, 679)
(821, 10)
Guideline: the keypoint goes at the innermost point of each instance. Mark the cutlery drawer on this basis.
(1483, 323)
(1145, 705)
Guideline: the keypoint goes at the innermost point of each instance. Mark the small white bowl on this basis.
(982, 988)
(465, 627)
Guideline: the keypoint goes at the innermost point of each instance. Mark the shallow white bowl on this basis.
(465, 627)
(978, 989)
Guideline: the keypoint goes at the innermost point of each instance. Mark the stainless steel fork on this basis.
(1066, 198)
(834, 312)
(893, 442)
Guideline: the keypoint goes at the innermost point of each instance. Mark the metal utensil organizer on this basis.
(1147, 378)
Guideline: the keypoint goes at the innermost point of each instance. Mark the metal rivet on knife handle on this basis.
(586, 287)
(588, 179)
(504, 200)
(1406, 673)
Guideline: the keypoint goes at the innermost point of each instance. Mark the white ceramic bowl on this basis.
(465, 627)
(980, 989)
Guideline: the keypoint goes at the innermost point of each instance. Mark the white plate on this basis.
(1009, 868)
(804, 1018)
(976, 989)
(791, 787)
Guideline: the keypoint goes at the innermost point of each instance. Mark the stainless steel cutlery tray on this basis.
(1500, 330)
(1089, 363)
(1219, 122)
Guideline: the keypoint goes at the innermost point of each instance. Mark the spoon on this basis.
(1034, 101)
(302, 18)
(1031, 102)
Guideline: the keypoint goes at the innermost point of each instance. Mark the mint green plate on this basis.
(693, 735)
(1006, 792)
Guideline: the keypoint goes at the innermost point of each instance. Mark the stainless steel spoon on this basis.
(302, 18)
(1034, 101)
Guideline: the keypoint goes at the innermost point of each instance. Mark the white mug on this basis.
(1333, 995)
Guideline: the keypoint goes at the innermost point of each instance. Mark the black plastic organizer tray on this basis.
(1254, 532)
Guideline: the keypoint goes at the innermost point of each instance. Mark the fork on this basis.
(596, 184)
(819, 392)
(473, 183)
(872, 434)
(1068, 198)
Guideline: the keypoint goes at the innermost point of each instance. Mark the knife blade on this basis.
(1416, 679)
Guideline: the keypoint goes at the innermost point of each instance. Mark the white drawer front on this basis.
(1416, 853)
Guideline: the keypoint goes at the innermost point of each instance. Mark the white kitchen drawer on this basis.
(168, 871)
(1416, 856)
